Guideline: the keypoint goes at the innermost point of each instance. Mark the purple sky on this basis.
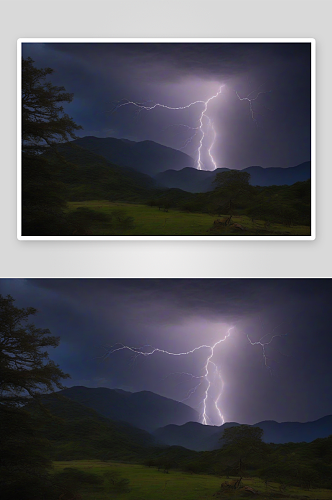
(173, 74)
(180, 314)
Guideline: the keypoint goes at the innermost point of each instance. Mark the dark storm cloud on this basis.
(91, 315)
(221, 60)
(231, 298)
(101, 74)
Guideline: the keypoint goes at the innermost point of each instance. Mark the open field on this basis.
(150, 221)
(150, 484)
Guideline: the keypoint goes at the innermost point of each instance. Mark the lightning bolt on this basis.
(211, 374)
(141, 351)
(263, 346)
(214, 136)
(206, 395)
(200, 129)
(251, 100)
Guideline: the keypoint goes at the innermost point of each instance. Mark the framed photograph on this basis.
(182, 139)
(140, 389)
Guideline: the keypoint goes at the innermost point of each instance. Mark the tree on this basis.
(44, 124)
(242, 441)
(232, 179)
(26, 373)
(230, 185)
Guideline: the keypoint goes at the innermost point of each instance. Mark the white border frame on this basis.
(312, 41)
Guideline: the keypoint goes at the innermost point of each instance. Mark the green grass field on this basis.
(150, 484)
(150, 221)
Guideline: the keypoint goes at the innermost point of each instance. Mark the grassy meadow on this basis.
(150, 221)
(149, 483)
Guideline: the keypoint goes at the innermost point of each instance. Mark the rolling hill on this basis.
(145, 410)
(200, 181)
(76, 431)
(87, 175)
(198, 437)
(147, 157)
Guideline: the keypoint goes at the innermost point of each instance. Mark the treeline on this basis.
(287, 205)
(306, 465)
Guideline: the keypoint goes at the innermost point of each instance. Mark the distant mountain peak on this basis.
(200, 181)
(199, 437)
(147, 156)
(145, 409)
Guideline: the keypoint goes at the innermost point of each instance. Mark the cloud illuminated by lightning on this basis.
(211, 374)
(202, 117)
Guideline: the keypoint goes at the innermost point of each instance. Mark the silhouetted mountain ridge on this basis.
(147, 157)
(201, 181)
(145, 410)
(198, 437)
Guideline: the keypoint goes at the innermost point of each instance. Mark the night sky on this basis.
(176, 74)
(177, 315)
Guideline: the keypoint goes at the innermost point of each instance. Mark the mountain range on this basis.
(198, 437)
(147, 157)
(201, 181)
(171, 423)
(145, 410)
(169, 167)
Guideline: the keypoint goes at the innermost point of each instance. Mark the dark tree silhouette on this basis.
(231, 184)
(242, 442)
(44, 122)
(44, 125)
(26, 373)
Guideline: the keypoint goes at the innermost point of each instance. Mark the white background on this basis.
(159, 18)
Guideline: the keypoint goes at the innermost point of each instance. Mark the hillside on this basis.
(200, 181)
(198, 437)
(147, 157)
(144, 409)
(76, 431)
(87, 175)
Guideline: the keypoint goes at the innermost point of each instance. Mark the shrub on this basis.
(122, 220)
(70, 481)
(83, 219)
(115, 482)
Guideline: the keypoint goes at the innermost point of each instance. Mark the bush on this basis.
(115, 482)
(122, 220)
(83, 219)
(194, 468)
(152, 203)
(70, 481)
(149, 462)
